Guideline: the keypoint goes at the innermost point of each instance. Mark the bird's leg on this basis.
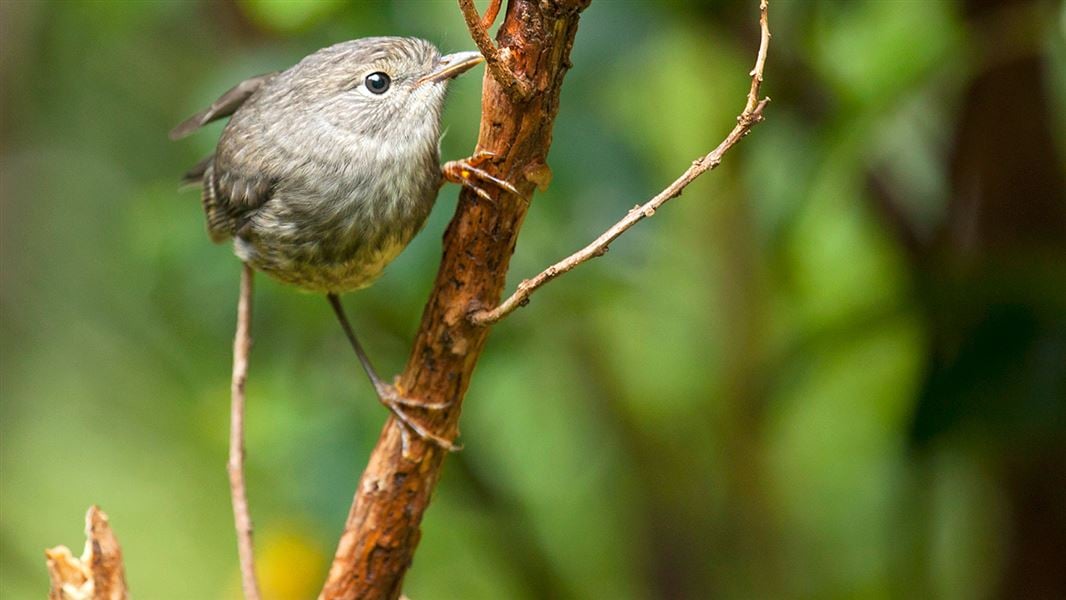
(468, 173)
(387, 393)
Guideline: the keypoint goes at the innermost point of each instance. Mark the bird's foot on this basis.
(468, 173)
(397, 405)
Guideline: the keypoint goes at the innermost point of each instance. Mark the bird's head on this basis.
(378, 88)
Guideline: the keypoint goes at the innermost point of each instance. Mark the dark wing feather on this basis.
(225, 106)
(196, 173)
(230, 198)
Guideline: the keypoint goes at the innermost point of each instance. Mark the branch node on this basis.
(540, 175)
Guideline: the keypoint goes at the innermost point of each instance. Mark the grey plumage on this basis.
(325, 171)
(320, 181)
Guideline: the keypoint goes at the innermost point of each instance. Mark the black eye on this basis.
(377, 83)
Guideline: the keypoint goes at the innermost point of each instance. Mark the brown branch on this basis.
(382, 529)
(490, 13)
(760, 58)
(242, 519)
(752, 114)
(516, 87)
(98, 574)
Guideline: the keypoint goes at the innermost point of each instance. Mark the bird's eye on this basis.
(377, 83)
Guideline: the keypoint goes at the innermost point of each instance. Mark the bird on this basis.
(326, 170)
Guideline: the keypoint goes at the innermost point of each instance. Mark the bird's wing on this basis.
(231, 196)
(225, 106)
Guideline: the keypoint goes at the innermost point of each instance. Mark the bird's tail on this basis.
(195, 175)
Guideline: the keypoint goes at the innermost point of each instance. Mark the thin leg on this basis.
(387, 394)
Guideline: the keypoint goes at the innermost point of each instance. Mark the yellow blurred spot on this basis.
(290, 565)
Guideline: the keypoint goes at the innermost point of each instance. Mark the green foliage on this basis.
(764, 391)
(285, 16)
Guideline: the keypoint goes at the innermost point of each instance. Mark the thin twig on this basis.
(242, 519)
(517, 88)
(490, 13)
(760, 59)
(753, 114)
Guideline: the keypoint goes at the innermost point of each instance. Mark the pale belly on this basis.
(349, 274)
(335, 231)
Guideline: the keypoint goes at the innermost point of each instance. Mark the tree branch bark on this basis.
(751, 116)
(382, 528)
(513, 83)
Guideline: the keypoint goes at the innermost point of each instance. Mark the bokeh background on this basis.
(835, 368)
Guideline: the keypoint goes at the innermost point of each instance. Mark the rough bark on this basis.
(382, 529)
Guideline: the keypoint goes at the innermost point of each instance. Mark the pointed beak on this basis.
(452, 65)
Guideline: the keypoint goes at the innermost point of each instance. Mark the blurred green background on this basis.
(835, 368)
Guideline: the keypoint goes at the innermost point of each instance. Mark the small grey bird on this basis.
(326, 170)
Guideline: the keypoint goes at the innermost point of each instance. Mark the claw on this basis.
(465, 171)
(395, 403)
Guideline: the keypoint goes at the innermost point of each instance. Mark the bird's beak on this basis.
(452, 65)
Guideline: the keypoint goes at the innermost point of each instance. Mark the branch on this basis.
(98, 574)
(490, 14)
(752, 114)
(517, 88)
(242, 519)
(382, 528)
(760, 59)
